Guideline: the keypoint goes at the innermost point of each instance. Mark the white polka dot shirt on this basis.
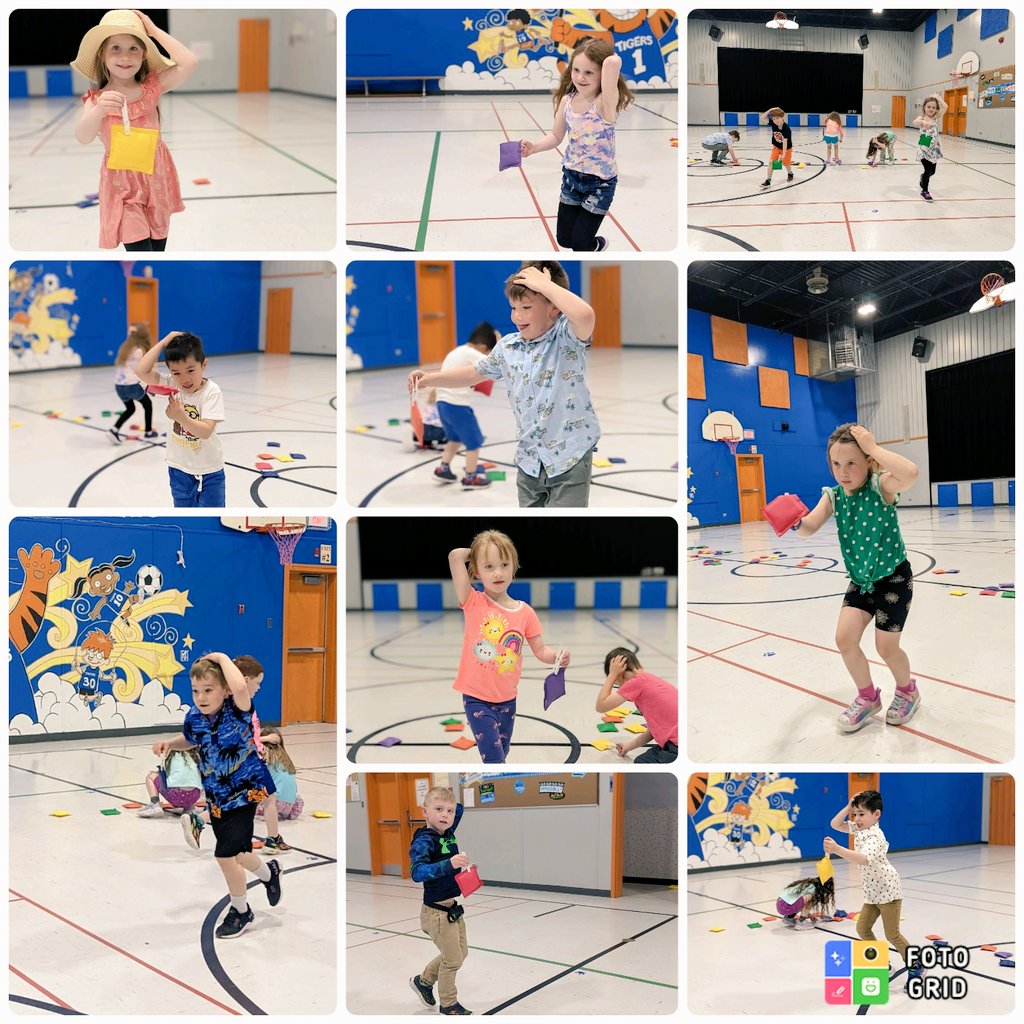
(878, 878)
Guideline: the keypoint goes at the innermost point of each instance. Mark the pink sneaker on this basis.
(856, 716)
(903, 707)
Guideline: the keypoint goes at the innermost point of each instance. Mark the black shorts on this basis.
(889, 602)
(233, 830)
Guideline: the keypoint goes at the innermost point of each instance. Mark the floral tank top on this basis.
(591, 143)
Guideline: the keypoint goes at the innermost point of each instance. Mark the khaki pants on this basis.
(890, 914)
(450, 939)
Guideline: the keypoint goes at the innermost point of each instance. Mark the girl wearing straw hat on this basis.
(138, 182)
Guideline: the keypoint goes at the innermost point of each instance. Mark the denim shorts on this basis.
(130, 392)
(594, 194)
(460, 425)
(189, 491)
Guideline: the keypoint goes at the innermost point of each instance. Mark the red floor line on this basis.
(833, 650)
(124, 952)
(56, 127)
(830, 700)
(56, 1000)
(526, 181)
(740, 644)
(849, 230)
(433, 220)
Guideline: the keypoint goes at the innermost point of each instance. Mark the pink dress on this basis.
(136, 206)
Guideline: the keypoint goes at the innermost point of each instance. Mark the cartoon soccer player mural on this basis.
(102, 581)
(739, 821)
(93, 652)
(522, 38)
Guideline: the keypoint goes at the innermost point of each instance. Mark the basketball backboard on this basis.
(719, 425)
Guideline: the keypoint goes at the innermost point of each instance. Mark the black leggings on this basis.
(147, 245)
(129, 408)
(577, 228)
(929, 170)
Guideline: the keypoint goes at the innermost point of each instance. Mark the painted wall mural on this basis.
(42, 320)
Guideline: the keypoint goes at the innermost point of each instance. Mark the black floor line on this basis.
(725, 235)
(191, 199)
(40, 1005)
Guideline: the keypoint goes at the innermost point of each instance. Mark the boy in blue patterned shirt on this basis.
(544, 367)
(435, 859)
(219, 725)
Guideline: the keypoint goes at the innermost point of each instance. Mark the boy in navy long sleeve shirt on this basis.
(435, 859)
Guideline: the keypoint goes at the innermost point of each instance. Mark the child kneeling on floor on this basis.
(655, 699)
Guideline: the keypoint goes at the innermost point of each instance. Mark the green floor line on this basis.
(519, 956)
(421, 235)
(269, 145)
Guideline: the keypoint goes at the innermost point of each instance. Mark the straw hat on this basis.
(115, 23)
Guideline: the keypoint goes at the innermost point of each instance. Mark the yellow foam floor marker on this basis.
(362, 430)
(636, 728)
(321, 814)
(59, 814)
(716, 929)
(600, 744)
(284, 458)
(958, 593)
(602, 463)
(16, 424)
(620, 711)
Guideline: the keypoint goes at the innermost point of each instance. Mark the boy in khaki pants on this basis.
(435, 858)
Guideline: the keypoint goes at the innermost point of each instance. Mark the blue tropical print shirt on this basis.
(233, 774)
(546, 380)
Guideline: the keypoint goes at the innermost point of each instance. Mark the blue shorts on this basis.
(594, 194)
(189, 491)
(831, 139)
(460, 425)
(130, 392)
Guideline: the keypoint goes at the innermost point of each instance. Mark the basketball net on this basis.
(732, 442)
(286, 537)
(992, 283)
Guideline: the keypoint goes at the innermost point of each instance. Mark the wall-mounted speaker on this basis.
(715, 32)
(920, 349)
(862, 41)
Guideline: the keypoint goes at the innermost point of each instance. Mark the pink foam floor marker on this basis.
(510, 154)
(264, 465)
(161, 389)
(784, 513)
(554, 687)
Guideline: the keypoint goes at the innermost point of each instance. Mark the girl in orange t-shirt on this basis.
(497, 628)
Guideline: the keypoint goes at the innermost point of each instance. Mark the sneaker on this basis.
(766, 184)
(927, 196)
(444, 474)
(805, 925)
(471, 481)
(150, 433)
(114, 437)
(152, 811)
(602, 242)
(789, 177)
(903, 707)
(424, 991)
(840, 162)
(856, 716)
(912, 972)
(274, 885)
(789, 922)
(192, 826)
(275, 844)
(456, 1010)
(234, 924)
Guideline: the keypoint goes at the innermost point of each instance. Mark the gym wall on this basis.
(314, 286)
(649, 301)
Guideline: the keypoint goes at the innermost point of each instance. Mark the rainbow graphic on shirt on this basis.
(500, 646)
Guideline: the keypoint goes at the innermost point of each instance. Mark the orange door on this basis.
(750, 483)
(1001, 814)
(278, 334)
(254, 55)
(606, 300)
(392, 807)
(857, 783)
(618, 832)
(961, 112)
(899, 111)
(309, 658)
(143, 300)
(435, 304)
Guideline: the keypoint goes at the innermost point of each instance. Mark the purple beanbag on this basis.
(510, 154)
(554, 687)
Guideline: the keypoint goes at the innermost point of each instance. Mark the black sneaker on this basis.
(274, 885)
(444, 473)
(234, 924)
(927, 196)
(602, 243)
(455, 1010)
(766, 184)
(789, 177)
(114, 437)
(424, 991)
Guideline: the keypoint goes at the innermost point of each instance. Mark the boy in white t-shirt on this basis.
(195, 458)
(455, 407)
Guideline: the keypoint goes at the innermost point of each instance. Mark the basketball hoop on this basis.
(732, 442)
(285, 536)
(993, 283)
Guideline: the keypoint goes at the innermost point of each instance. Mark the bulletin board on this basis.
(997, 89)
(530, 790)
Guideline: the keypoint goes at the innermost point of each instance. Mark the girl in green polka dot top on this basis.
(870, 479)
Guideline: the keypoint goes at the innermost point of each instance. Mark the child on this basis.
(433, 430)
(435, 859)
(126, 381)
(805, 898)
(882, 147)
(929, 152)
(177, 780)
(456, 412)
(544, 368)
(587, 103)
(286, 802)
(130, 73)
(832, 134)
(194, 454)
(496, 628)
(720, 143)
(655, 699)
(881, 581)
(883, 894)
(219, 726)
(782, 143)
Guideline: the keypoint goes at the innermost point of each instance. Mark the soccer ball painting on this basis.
(149, 580)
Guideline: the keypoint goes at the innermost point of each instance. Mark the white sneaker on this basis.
(151, 811)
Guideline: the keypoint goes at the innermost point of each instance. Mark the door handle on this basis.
(387, 821)
(306, 650)
(751, 490)
(434, 316)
